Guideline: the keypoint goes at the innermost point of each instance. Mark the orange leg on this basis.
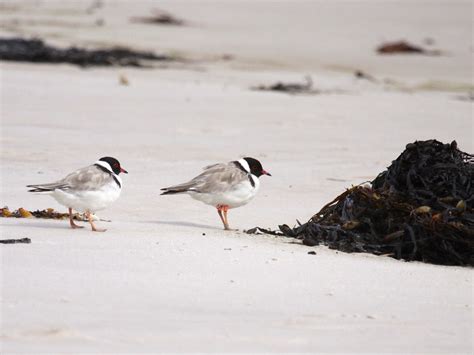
(94, 228)
(71, 221)
(219, 211)
(222, 210)
(226, 208)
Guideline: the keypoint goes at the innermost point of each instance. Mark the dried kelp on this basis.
(403, 47)
(36, 51)
(49, 213)
(420, 208)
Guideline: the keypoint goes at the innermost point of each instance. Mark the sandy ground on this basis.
(165, 277)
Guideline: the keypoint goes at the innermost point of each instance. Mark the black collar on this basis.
(249, 175)
(110, 173)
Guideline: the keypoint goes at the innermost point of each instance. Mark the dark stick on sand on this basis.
(15, 241)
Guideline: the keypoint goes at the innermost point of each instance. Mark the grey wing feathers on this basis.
(88, 178)
(215, 178)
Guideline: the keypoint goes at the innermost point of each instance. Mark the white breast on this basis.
(240, 195)
(89, 200)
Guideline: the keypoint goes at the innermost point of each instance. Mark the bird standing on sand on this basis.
(87, 190)
(224, 186)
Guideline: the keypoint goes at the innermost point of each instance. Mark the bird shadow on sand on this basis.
(185, 224)
(36, 224)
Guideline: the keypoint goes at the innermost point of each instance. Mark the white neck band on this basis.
(244, 164)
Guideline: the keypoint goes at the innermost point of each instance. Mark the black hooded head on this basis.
(256, 167)
(114, 165)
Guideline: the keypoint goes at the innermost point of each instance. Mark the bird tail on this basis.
(38, 188)
(171, 191)
(45, 187)
(180, 189)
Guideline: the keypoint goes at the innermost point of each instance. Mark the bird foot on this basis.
(75, 226)
(98, 229)
(93, 227)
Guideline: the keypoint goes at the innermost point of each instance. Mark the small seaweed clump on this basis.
(290, 88)
(421, 208)
(159, 17)
(403, 47)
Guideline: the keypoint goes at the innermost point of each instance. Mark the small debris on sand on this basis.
(123, 80)
(359, 74)
(305, 88)
(260, 230)
(404, 48)
(159, 17)
(420, 209)
(290, 88)
(468, 97)
(227, 57)
(36, 51)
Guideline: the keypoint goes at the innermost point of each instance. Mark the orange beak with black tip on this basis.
(264, 172)
(122, 170)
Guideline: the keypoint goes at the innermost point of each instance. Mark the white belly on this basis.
(239, 196)
(92, 200)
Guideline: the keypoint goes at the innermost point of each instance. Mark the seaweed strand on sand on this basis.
(36, 51)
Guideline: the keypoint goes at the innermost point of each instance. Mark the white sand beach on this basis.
(165, 278)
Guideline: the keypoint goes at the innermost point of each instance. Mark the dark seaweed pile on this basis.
(420, 208)
(36, 51)
(431, 173)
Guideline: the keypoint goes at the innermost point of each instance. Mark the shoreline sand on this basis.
(153, 282)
